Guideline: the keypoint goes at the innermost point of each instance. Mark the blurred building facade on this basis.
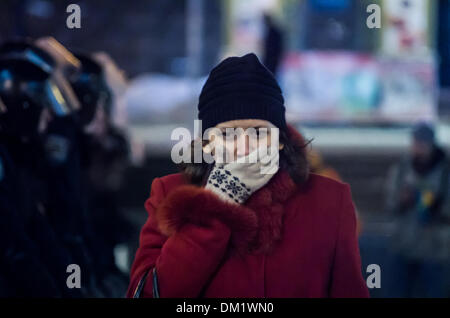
(142, 36)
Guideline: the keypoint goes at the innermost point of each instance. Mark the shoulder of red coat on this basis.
(322, 198)
(325, 186)
(172, 181)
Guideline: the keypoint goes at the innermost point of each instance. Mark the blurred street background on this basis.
(357, 92)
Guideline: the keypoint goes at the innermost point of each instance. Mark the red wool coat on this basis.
(285, 241)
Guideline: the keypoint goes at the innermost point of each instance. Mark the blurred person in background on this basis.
(92, 168)
(234, 230)
(61, 192)
(32, 259)
(70, 147)
(117, 82)
(105, 159)
(418, 198)
(273, 44)
(95, 165)
(64, 180)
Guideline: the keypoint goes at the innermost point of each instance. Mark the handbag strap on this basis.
(140, 286)
(155, 284)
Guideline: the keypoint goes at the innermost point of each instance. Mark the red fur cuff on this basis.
(191, 204)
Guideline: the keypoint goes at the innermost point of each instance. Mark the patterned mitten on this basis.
(237, 180)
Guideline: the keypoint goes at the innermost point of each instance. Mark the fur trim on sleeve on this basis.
(191, 204)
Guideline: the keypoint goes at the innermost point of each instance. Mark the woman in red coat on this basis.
(246, 229)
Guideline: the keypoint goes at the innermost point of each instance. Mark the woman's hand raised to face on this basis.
(237, 180)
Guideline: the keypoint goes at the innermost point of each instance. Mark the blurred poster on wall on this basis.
(405, 30)
(409, 90)
(348, 87)
(331, 24)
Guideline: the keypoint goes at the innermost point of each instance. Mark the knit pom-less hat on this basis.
(241, 88)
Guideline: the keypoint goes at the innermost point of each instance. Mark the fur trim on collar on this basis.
(255, 226)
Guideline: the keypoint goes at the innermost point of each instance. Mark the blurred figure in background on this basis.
(81, 154)
(93, 137)
(91, 134)
(117, 82)
(105, 159)
(418, 198)
(63, 168)
(273, 44)
(60, 178)
(33, 262)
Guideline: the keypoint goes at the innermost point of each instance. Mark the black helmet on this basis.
(28, 51)
(25, 91)
(90, 87)
(25, 49)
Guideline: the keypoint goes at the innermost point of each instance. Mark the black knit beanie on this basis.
(241, 88)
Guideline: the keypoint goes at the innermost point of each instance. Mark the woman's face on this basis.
(238, 138)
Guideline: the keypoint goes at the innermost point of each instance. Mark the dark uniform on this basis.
(103, 159)
(61, 194)
(32, 258)
(64, 199)
(24, 271)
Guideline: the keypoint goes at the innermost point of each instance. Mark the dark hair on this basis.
(292, 159)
